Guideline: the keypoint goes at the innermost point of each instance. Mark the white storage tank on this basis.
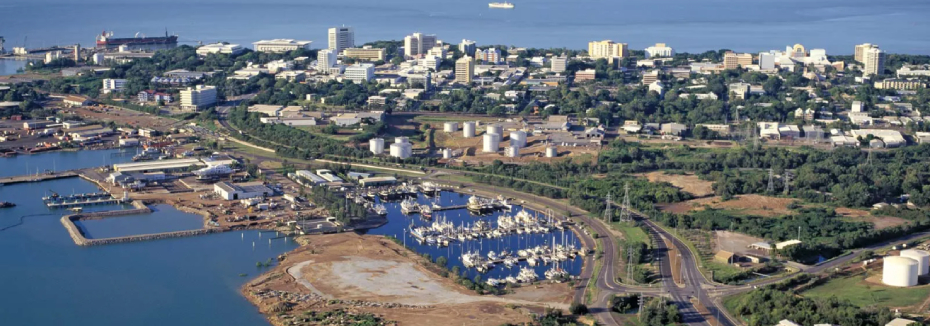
(899, 271)
(450, 126)
(376, 145)
(447, 153)
(496, 129)
(921, 256)
(552, 151)
(401, 140)
(491, 143)
(468, 130)
(401, 150)
(513, 151)
(518, 138)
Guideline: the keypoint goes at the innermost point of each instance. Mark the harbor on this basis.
(486, 242)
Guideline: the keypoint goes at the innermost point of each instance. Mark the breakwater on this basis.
(79, 239)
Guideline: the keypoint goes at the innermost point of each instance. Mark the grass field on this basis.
(632, 233)
(865, 294)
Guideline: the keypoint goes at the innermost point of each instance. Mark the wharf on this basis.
(86, 202)
(39, 177)
(447, 208)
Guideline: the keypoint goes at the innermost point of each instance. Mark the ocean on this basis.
(48, 280)
(898, 26)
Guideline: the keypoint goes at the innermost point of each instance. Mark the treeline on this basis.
(822, 231)
(26, 94)
(773, 303)
(288, 141)
(336, 204)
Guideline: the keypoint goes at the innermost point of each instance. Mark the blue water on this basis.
(398, 222)
(58, 161)
(48, 280)
(835, 25)
(164, 218)
(9, 67)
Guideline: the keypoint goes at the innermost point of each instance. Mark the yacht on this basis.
(380, 209)
(426, 212)
(493, 282)
(527, 275)
(500, 5)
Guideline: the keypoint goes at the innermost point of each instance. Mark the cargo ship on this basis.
(106, 41)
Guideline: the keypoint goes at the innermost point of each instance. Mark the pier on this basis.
(39, 177)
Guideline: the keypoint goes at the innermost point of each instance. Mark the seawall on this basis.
(78, 237)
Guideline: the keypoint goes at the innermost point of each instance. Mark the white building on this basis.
(468, 47)
(874, 62)
(113, 85)
(418, 44)
(657, 87)
(431, 62)
(198, 98)
(659, 50)
(326, 58)
(766, 61)
(231, 191)
(341, 38)
(360, 73)
(221, 48)
(490, 55)
(559, 64)
(280, 45)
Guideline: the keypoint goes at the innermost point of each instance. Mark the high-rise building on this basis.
(360, 73)
(860, 51)
(464, 69)
(326, 58)
(766, 61)
(418, 44)
(607, 49)
(490, 55)
(659, 50)
(341, 38)
(559, 64)
(197, 98)
(468, 47)
(874, 62)
(732, 60)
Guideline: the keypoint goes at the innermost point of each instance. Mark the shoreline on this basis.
(282, 291)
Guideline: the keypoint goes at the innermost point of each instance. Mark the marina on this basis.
(496, 244)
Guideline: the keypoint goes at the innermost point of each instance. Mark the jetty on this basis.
(39, 177)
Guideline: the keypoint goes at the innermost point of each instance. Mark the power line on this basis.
(625, 210)
(771, 187)
(608, 214)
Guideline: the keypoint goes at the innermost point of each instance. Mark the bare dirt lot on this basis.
(689, 183)
(880, 222)
(733, 242)
(374, 275)
(744, 204)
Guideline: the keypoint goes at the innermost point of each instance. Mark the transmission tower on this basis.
(625, 210)
(608, 215)
(787, 180)
(771, 187)
(629, 264)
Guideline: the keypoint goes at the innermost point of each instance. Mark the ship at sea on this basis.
(106, 41)
(500, 5)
